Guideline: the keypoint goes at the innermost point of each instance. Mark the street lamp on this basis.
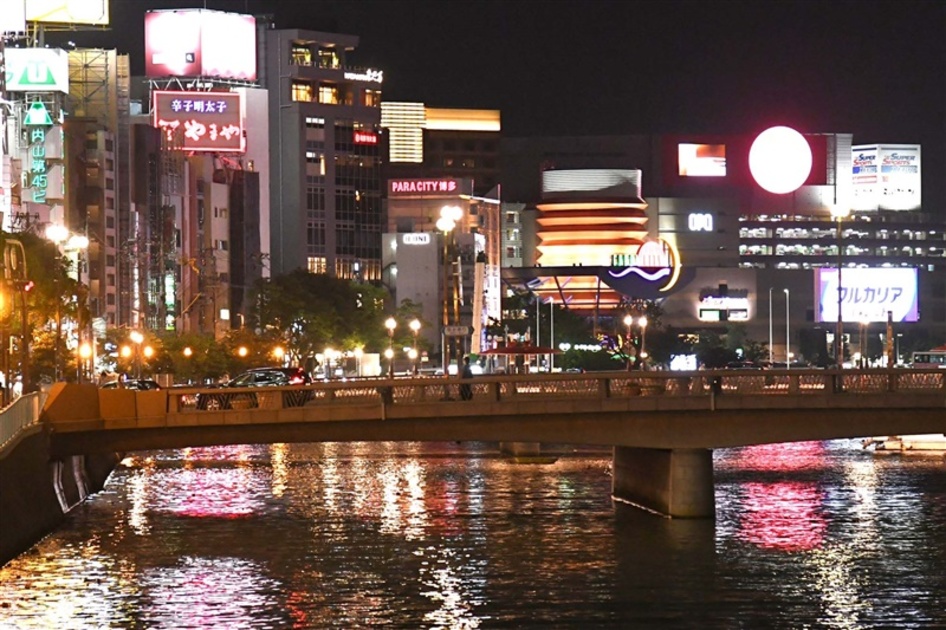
(771, 335)
(359, 352)
(839, 213)
(85, 353)
(389, 355)
(449, 217)
(60, 235)
(788, 354)
(642, 322)
(415, 328)
(628, 320)
(860, 341)
(390, 323)
(279, 354)
(137, 338)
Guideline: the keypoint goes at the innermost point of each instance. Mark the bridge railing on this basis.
(18, 416)
(509, 388)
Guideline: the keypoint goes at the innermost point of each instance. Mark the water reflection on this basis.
(456, 536)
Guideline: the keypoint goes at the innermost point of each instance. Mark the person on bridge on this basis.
(466, 390)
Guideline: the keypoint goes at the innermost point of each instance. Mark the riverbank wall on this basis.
(37, 492)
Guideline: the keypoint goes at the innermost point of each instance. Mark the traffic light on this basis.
(23, 285)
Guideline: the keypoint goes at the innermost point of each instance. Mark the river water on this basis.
(807, 535)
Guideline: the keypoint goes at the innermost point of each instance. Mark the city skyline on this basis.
(876, 69)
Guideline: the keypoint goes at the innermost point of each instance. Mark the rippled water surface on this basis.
(809, 535)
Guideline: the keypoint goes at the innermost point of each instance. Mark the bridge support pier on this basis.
(674, 482)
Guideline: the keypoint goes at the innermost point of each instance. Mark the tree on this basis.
(308, 313)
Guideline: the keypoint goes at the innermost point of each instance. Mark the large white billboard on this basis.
(37, 70)
(886, 177)
(198, 42)
(94, 12)
(867, 294)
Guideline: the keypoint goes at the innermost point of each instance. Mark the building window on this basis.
(317, 264)
(328, 94)
(372, 98)
(300, 55)
(328, 58)
(301, 91)
(110, 299)
(221, 245)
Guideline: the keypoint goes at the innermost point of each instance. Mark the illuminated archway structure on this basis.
(593, 242)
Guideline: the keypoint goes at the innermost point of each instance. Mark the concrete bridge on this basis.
(662, 425)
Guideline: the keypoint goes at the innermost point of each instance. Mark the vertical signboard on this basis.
(37, 121)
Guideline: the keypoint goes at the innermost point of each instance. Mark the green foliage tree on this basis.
(308, 313)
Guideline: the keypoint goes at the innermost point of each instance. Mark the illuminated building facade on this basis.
(440, 142)
(453, 275)
(325, 127)
(742, 247)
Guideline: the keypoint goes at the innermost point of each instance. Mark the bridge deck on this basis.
(706, 409)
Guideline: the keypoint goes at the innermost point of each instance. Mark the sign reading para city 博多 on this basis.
(445, 186)
(655, 262)
(37, 70)
(37, 120)
(206, 121)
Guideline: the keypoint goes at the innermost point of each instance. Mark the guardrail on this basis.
(21, 414)
(565, 386)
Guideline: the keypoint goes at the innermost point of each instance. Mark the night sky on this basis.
(873, 68)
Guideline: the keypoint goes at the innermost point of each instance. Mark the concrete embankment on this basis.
(37, 493)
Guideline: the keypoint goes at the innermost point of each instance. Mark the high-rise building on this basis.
(325, 133)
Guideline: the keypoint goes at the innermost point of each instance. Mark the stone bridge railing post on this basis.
(604, 388)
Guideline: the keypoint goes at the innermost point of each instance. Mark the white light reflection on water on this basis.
(61, 589)
(447, 590)
(209, 593)
(277, 458)
(139, 484)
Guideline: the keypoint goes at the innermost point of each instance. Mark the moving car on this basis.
(137, 384)
(258, 377)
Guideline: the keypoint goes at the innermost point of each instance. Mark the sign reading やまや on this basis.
(202, 121)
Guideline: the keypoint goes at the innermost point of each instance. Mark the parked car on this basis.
(137, 384)
(258, 377)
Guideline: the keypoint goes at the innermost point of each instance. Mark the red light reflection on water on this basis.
(209, 491)
(782, 514)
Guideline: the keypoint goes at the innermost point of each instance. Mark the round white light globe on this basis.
(780, 160)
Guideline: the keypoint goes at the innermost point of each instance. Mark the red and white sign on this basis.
(365, 137)
(198, 42)
(201, 121)
(406, 187)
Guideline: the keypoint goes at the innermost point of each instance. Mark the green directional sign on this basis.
(37, 114)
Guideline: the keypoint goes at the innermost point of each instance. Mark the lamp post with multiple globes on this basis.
(449, 217)
(839, 212)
